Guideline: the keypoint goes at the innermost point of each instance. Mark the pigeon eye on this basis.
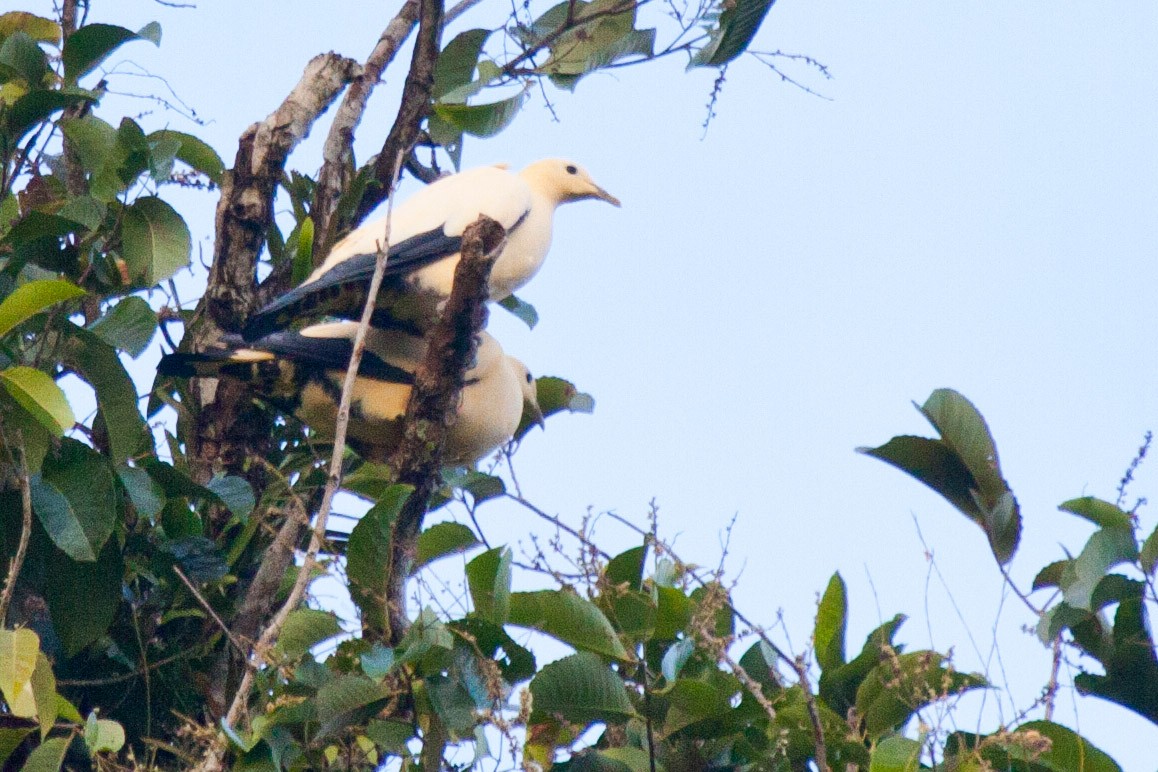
(571, 169)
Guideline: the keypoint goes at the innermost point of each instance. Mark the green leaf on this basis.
(479, 485)
(567, 617)
(456, 64)
(580, 689)
(44, 692)
(29, 299)
(489, 578)
(368, 555)
(1149, 553)
(521, 309)
(305, 628)
(234, 492)
(36, 106)
(97, 362)
(90, 45)
(37, 393)
(303, 255)
(86, 210)
(75, 499)
(129, 325)
(1050, 575)
(481, 120)
(838, 687)
(676, 656)
(1098, 512)
(20, 56)
(377, 662)
(11, 738)
(1068, 751)
(194, 152)
(697, 706)
(442, 540)
(515, 662)
(901, 685)
(48, 756)
(83, 597)
(1131, 677)
(896, 754)
(156, 240)
(92, 139)
(18, 656)
(1105, 549)
(36, 27)
(627, 568)
(831, 621)
(103, 735)
(673, 615)
(730, 38)
(347, 700)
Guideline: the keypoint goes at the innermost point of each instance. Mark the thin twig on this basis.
(813, 715)
(109, 680)
(1051, 688)
(208, 609)
(25, 531)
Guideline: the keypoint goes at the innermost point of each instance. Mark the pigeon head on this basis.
(562, 181)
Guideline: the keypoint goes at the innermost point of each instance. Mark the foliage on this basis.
(132, 564)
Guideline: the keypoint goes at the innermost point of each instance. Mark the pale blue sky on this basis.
(974, 206)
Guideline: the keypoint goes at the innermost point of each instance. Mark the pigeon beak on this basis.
(537, 416)
(603, 195)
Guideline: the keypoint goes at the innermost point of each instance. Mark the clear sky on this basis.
(973, 204)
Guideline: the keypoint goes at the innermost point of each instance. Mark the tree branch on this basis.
(437, 385)
(25, 533)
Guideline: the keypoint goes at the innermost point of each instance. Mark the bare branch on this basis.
(821, 757)
(25, 533)
(437, 385)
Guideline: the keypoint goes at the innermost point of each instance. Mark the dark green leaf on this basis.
(90, 45)
(48, 756)
(1068, 751)
(11, 737)
(730, 38)
(838, 688)
(579, 688)
(199, 557)
(29, 299)
(481, 120)
(831, 621)
(674, 612)
(479, 485)
(489, 578)
(40, 396)
(21, 57)
(521, 309)
(901, 685)
(390, 736)
(347, 700)
(564, 615)
(305, 628)
(129, 325)
(234, 492)
(86, 210)
(368, 555)
(194, 152)
(515, 662)
(626, 568)
(83, 597)
(697, 709)
(36, 106)
(1131, 677)
(1098, 512)
(38, 224)
(75, 499)
(156, 240)
(1149, 553)
(97, 362)
(92, 139)
(441, 540)
(456, 64)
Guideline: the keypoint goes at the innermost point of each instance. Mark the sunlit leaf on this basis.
(102, 735)
(29, 299)
(36, 27)
(37, 393)
(831, 620)
(18, 652)
(485, 120)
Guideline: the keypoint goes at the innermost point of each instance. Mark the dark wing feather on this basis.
(329, 354)
(344, 286)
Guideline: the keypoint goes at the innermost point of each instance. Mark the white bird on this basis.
(425, 239)
(302, 373)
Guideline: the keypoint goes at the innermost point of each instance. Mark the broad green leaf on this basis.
(234, 492)
(901, 685)
(48, 756)
(1050, 575)
(831, 621)
(1131, 677)
(36, 27)
(481, 120)
(521, 309)
(194, 152)
(1098, 512)
(93, 140)
(1068, 751)
(580, 689)
(75, 498)
(515, 662)
(896, 754)
(36, 225)
(391, 736)
(489, 578)
(103, 735)
(838, 687)
(377, 662)
(456, 64)
(11, 738)
(610, 760)
(83, 597)
(676, 657)
(129, 325)
(626, 568)
(347, 700)
(442, 540)
(368, 555)
(303, 254)
(759, 661)
(36, 106)
(86, 210)
(1105, 549)
(427, 638)
(156, 241)
(479, 485)
(1149, 553)
(90, 45)
(734, 32)
(21, 57)
(37, 393)
(674, 613)
(564, 615)
(697, 709)
(44, 693)
(305, 628)
(18, 655)
(97, 362)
